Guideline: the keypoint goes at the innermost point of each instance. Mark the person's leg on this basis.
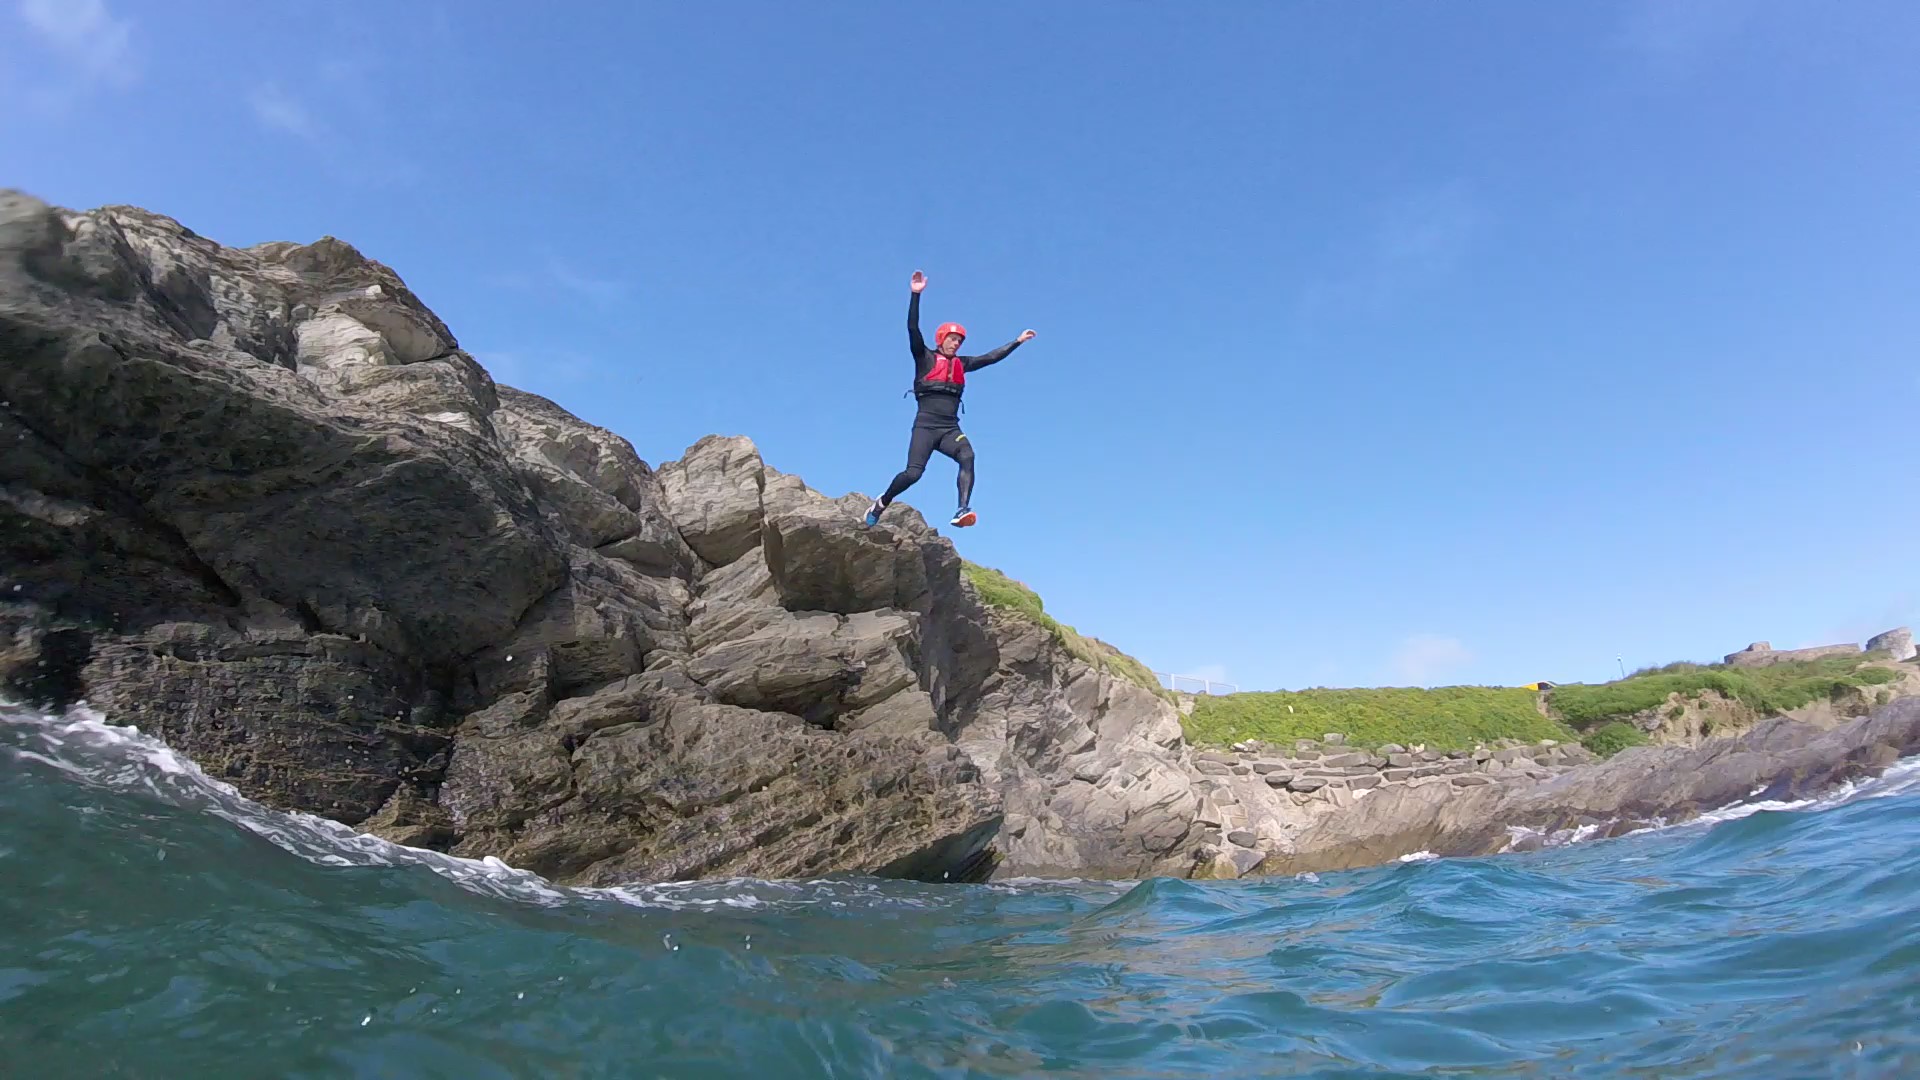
(919, 449)
(960, 448)
(957, 446)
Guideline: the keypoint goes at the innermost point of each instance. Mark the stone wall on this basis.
(1897, 643)
(1760, 654)
(1256, 797)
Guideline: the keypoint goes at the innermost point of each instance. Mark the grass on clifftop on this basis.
(1000, 591)
(1610, 738)
(1444, 718)
(1767, 690)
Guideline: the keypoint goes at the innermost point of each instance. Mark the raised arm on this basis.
(987, 359)
(914, 341)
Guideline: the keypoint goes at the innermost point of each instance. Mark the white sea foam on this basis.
(83, 745)
(1900, 778)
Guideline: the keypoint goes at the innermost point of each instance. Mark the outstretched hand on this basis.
(919, 281)
(1026, 335)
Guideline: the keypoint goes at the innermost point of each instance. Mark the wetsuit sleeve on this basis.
(914, 341)
(985, 359)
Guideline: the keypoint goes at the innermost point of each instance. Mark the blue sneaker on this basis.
(963, 517)
(873, 513)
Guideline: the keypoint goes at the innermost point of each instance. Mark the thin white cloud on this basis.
(342, 136)
(1422, 659)
(526, 370)
(599, 290)
(96, 46)
(558, 277)
(1429, 231)
(279, 112)
(1419, 236)
(1901, 608)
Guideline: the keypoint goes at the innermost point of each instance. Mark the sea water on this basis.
(153, 923)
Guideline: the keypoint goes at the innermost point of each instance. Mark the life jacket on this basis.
(947, 376)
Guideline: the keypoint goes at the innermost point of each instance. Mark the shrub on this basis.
(1768, 690)
(1609, 739)
(997, 590)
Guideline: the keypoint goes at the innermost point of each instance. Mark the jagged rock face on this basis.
(160, 395)
(1094, 768)
(873, 632)
(261, 504)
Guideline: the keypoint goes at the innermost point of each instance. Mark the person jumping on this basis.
(939, 378)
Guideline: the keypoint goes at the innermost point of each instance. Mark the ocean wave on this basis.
(155, 922)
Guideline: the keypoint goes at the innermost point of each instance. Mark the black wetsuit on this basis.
(937, 387)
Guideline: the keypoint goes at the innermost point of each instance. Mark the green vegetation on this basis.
(1767, 690)
(1444, 718)
(1611, 738)
(1457, 717)
(1000, 591)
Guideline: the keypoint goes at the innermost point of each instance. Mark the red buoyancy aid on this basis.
(948, 369)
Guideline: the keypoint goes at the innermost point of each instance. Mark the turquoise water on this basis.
(153, 924)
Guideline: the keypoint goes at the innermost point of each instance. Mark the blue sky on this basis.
(1378, 342)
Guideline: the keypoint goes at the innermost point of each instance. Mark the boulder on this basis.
(823, 558)
(1897, 643)
(713, 495)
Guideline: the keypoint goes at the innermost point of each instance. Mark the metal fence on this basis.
(1194, 684)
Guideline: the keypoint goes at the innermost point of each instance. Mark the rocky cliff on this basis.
(1778, 759)
(259, 502)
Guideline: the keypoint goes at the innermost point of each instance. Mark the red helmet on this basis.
(940, 335)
